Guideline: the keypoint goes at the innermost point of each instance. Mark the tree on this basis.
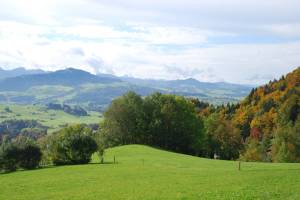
(14, 127)
(33, 133)
(30, 157)
(171, 123)
(123, 120)
(22, 152)
(72, 145)
(101, 146)
(8, 157)
(30, 153)
(253, 151)
(286, 143)
(222, 137)
(290, 109)
(165, 121)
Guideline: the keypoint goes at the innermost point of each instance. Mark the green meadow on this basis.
(54, 119)
(142, 172)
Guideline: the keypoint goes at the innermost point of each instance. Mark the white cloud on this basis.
(207, 40)
(289, 30)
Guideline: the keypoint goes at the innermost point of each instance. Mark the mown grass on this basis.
(53, 119)
(147, 173)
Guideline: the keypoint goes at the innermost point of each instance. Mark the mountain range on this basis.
(68, 77)
(17, 72)
(74, 86)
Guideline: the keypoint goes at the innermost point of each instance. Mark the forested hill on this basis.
(266, 106)
(269, 120)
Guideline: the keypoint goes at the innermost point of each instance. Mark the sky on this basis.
(247, 42)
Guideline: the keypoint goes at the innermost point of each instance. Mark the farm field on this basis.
(143, 172)
(54, 119)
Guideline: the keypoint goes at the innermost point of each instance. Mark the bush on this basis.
(72, 145)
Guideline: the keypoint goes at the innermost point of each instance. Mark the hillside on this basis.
(269, 120)
(146, 173)
(51, 119)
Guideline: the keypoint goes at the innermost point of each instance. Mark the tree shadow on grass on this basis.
(25, 170)
(264, 170)
(56, 166)
(104, 163)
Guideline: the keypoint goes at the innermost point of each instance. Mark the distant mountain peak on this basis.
(191, 80)
(72, 70)
(66, 77)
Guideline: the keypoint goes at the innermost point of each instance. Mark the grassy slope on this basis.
(51, 118)
(163, 175)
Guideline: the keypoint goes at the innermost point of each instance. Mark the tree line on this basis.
(166, 121)
(265, 126)
(170, 122)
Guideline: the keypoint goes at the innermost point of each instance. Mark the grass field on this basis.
(147, 173)
(53, 119)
